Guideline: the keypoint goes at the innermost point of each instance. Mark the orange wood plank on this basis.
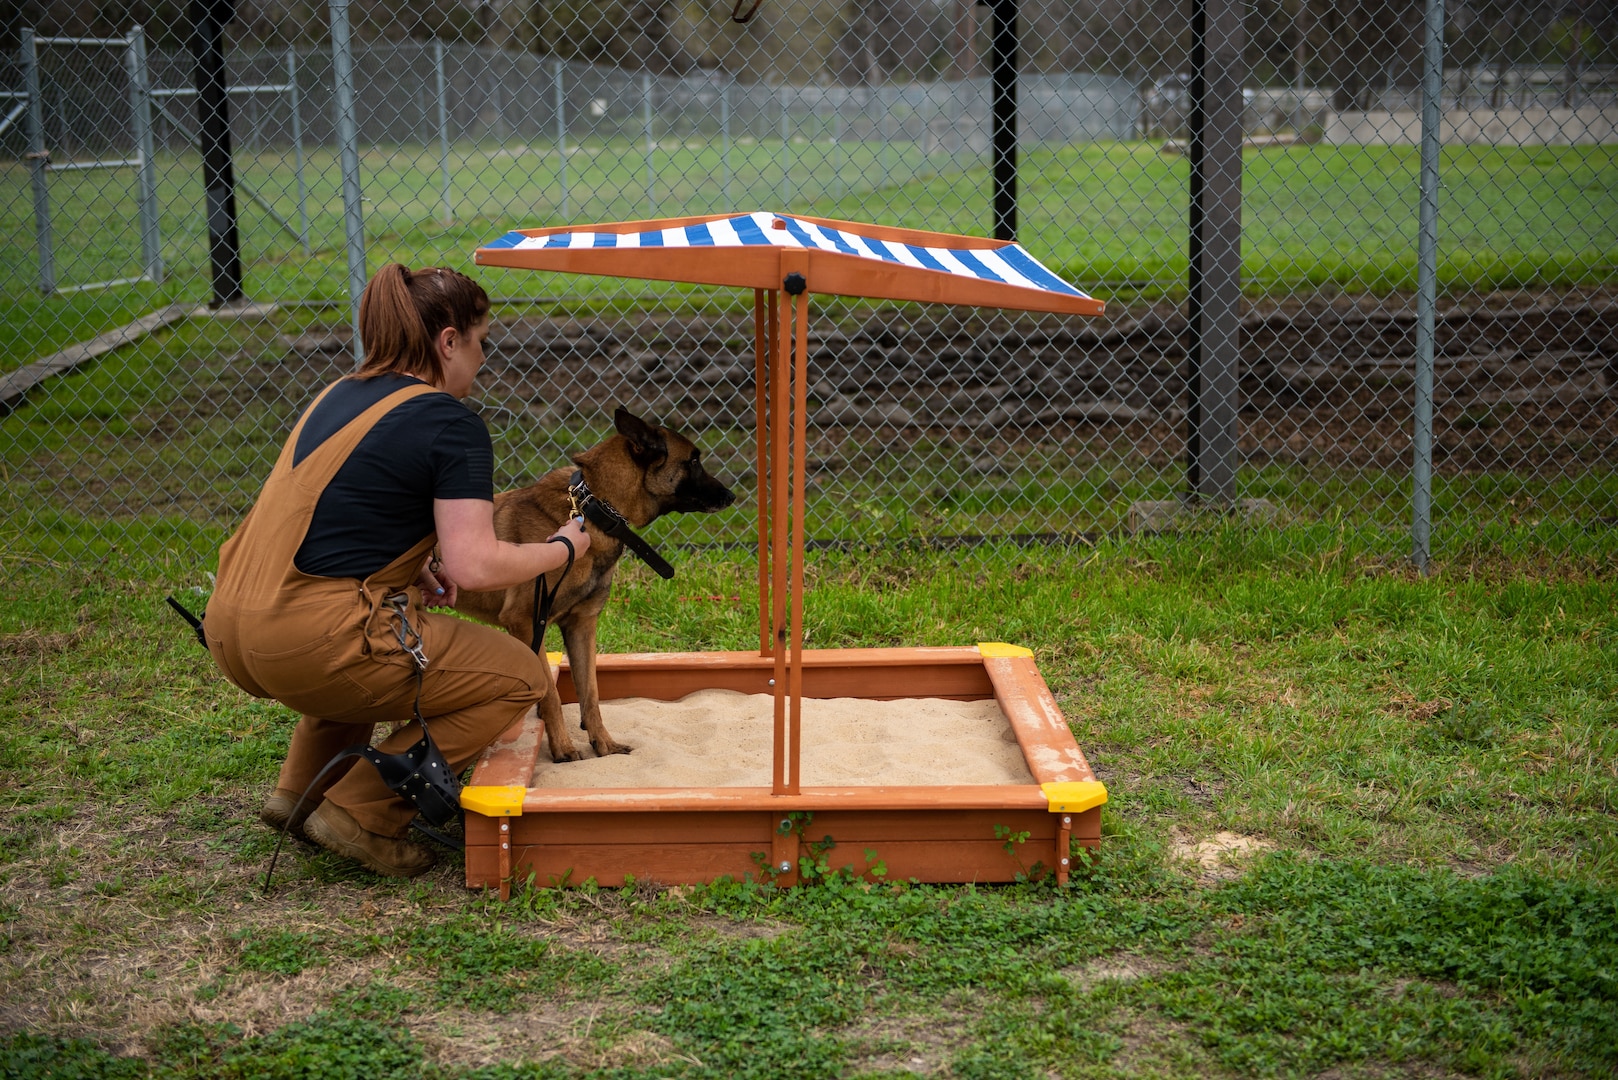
(882, 674)
(1042, 732)
(663, 800)
(671, 827)
(679, 864)
(510, 758)
(670, 864)
(758, 827)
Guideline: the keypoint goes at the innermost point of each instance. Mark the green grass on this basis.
(1429, 766)
(1108, 215)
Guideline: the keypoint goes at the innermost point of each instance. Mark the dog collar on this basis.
(604, 516)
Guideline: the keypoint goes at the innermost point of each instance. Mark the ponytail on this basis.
(402, 313)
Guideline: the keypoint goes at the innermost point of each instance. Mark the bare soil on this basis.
(1524, 381)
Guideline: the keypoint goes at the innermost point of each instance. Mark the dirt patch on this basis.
(1118, 967)
(918, 1044)
(1522, 379)
(578, 1032)
(1224, 855)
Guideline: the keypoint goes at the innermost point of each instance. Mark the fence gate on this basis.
(133, 138)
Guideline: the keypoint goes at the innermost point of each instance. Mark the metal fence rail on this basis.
(1408, 257)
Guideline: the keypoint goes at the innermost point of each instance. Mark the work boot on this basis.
(277, 812)
(335, 829)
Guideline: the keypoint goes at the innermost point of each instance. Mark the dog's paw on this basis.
(568, 755)
(607, 746)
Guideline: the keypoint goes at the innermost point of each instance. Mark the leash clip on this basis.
(409, 638)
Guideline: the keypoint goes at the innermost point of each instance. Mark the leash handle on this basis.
(185, 613)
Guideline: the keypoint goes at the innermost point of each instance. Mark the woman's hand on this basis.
(573, 532)
(437, 589)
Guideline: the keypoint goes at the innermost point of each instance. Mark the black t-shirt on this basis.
(380, 503)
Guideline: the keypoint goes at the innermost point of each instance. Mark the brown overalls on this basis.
(329, 647)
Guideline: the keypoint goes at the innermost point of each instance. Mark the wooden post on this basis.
(779, 435)
(798, 262)
(763, 334)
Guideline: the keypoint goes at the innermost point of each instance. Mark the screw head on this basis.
(786, 867)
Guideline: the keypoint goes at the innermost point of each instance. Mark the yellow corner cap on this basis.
(503, 800)
(1000, 648)
(1074, 796)
(555, 658)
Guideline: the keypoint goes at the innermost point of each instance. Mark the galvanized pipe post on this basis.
(1432, 85)
(297, 148)
(443, 130)
(38, 165)
(140, 109)
(651, 145)
(724, 134)
(786, 152)
(557, 69)
(348, 146)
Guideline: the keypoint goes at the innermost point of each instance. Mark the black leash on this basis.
(604, 516)
(185, 613)
(545, 596)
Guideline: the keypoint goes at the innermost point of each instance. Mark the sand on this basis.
(722, 738)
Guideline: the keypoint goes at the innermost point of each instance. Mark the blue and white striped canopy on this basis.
(847, 258)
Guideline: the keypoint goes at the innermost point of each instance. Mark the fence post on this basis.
(297, 148)
(651, 178)
(1432, 84)
(140, 107)
(836, 148)
(348, 146)
(443, 130)
(561, 132)
(1003, 114)
(38, 166)
(213, 127)
(1215, 249)
(786, 152)
(724, 134)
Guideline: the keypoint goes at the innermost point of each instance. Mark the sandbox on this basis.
(941, 817)
(933, 831)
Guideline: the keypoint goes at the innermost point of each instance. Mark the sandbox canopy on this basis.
(844, 258)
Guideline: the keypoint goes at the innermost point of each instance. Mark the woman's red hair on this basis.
(403, 311)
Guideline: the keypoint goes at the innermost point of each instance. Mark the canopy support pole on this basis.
(779, 432)
(763, 334)
(800, 454)
(783, 427)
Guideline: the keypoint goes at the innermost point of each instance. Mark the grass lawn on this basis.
(1403, 789)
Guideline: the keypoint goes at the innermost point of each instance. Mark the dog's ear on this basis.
(645, 441)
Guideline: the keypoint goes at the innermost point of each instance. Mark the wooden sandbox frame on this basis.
(944, 833)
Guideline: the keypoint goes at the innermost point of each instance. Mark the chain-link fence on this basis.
(469, 120)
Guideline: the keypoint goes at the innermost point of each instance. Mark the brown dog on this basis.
(644, 471)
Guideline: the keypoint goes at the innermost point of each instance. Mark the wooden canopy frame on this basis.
(942, 833)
